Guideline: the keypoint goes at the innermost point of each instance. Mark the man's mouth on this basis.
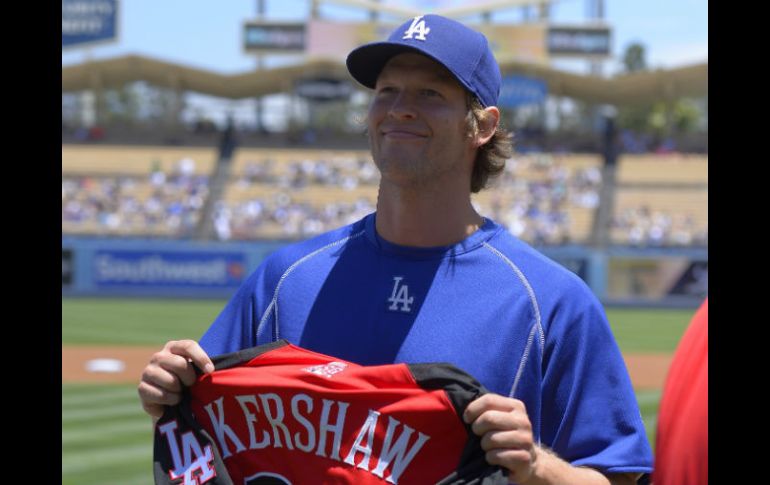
(398, 134)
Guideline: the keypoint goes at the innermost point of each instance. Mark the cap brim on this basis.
(366, 62)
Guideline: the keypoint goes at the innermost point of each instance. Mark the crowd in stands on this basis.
(255, 218)
(643, 227)
(535, 209)
(247, 219)
(345, 172)
(160, 204)
(536, 198)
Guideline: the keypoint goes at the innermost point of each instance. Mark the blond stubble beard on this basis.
(409, 170)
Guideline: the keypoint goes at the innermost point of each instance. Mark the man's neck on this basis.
(425, 217)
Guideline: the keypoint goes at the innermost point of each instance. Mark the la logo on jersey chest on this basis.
(400, 299)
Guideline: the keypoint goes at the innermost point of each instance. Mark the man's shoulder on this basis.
(524, 256)
(285, 257)
(543, 274)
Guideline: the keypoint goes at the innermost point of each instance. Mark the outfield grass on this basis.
(107, 438)
(135, 321)
(648, 330)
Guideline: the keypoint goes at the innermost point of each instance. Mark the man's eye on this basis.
(430, 93)
(386, 90)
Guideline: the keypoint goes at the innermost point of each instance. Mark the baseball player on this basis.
(427, 279)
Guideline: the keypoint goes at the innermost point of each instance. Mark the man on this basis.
(427, 279)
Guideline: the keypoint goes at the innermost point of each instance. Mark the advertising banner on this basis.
(88, 21)
(521, 90)
(579, 41)
(693, 281)
(273, 37)
(323, 89)
(201, 270)
(656, 278)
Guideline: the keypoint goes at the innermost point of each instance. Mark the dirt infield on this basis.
(648, 371)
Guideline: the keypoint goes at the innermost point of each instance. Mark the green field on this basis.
(107, 438)
(648, 330)
(135, 322)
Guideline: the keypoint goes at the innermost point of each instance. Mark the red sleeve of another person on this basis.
(681, 444)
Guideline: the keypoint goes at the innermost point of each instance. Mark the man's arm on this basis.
(552, 469)
(506, 436)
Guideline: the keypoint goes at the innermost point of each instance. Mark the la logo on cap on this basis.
(418, 27)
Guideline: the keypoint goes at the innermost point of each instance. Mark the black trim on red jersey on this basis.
(461, 388)
(233, 359)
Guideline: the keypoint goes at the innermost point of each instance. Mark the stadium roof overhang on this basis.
(637, 88)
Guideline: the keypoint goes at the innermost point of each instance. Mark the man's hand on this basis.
(167, 372)
(506, 434)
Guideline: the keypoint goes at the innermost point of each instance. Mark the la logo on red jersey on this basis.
(192, 462)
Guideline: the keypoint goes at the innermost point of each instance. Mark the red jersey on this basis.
(681, 444)
(281, 414)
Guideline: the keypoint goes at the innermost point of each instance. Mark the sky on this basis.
(207, 33)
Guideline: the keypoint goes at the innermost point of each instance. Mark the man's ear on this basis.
(488, 125)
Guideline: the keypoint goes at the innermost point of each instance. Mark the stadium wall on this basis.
(671, 277)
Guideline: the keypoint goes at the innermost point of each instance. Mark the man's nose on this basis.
(402, 107)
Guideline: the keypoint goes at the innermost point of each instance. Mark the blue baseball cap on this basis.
(463, 51)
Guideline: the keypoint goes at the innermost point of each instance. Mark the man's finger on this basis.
(153, 395)
(491, 420)
(489, 402)
(191, 350)
(180, 367)
(161, 377)
(515, 439)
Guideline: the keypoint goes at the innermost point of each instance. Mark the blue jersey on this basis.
(491, 305)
